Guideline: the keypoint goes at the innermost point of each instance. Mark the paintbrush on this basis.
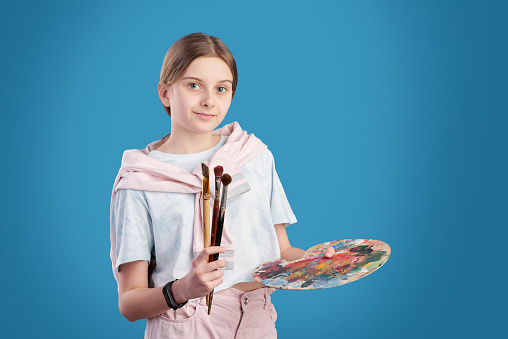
(206, 209)
(226, 180)
(218, 170)
(206, 205)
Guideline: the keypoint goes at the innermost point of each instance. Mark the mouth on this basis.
(204, 116)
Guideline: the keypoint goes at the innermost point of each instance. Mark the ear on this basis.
(163, 90)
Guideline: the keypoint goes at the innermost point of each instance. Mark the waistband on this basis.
(240, 300)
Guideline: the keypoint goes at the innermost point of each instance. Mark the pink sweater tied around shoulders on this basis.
(142, 172)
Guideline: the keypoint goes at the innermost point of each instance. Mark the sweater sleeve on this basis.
(132, 227)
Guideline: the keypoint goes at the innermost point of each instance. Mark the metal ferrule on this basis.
(217, 188)
(206, 190)
(224, 197)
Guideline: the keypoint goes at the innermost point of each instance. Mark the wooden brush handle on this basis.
(206, 222)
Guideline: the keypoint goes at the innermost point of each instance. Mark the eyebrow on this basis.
(198, 79)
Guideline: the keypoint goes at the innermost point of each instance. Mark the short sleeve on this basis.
(132, 227)
(279, 205)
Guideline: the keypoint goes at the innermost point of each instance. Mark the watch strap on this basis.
(170, 299)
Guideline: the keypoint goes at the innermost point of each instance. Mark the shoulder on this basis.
(262, 162)
(265, 155)
(123, 196)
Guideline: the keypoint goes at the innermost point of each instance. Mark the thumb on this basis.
(330, 251)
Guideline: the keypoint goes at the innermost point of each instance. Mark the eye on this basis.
(193, 85)
(221, 89)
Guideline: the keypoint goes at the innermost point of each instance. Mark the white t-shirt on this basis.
(162, 223)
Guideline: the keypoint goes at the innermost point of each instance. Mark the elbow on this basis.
(126, 313)
(128, 316)
(132, 319)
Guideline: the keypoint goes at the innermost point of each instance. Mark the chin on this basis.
(206, 126)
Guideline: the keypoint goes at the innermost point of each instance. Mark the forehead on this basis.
(209, 68)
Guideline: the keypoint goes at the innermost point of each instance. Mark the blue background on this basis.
(403, 104)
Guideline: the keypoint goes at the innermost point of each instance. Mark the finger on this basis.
(330, 251)
(213, 250)
(211, 266)
(216, 265)
(212, 279)
(213, 275)
(203, 255)
(215, 282)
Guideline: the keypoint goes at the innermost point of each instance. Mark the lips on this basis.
(204, 116)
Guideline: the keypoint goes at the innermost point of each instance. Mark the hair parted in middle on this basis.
(187, 49)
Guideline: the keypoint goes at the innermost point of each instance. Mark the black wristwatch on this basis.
(168, 295)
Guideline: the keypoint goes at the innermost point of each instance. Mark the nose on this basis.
(208, 99)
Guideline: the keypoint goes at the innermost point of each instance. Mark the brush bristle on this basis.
(218, 170)
(204, 169)
(226, 179)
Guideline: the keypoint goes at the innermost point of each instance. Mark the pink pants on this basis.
(235, 314)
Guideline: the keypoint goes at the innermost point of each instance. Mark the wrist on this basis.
(167, 291)
(292, 253)
(178, 289)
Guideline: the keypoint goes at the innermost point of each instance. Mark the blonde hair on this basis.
(190, 47)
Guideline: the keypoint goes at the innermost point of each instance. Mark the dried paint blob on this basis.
(353, 259)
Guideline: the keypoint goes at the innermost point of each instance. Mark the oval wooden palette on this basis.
(353, 259)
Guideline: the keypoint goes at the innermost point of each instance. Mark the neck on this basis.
(188, 143)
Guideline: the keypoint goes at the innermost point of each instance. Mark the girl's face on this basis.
(201, 98)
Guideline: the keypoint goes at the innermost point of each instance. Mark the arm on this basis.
(289, 253)
(137, 301)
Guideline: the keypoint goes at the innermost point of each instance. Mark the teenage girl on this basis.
(156, 233)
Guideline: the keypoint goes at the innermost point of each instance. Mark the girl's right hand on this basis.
(202, 278)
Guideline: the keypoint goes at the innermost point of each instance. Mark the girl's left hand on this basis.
(330, 251)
